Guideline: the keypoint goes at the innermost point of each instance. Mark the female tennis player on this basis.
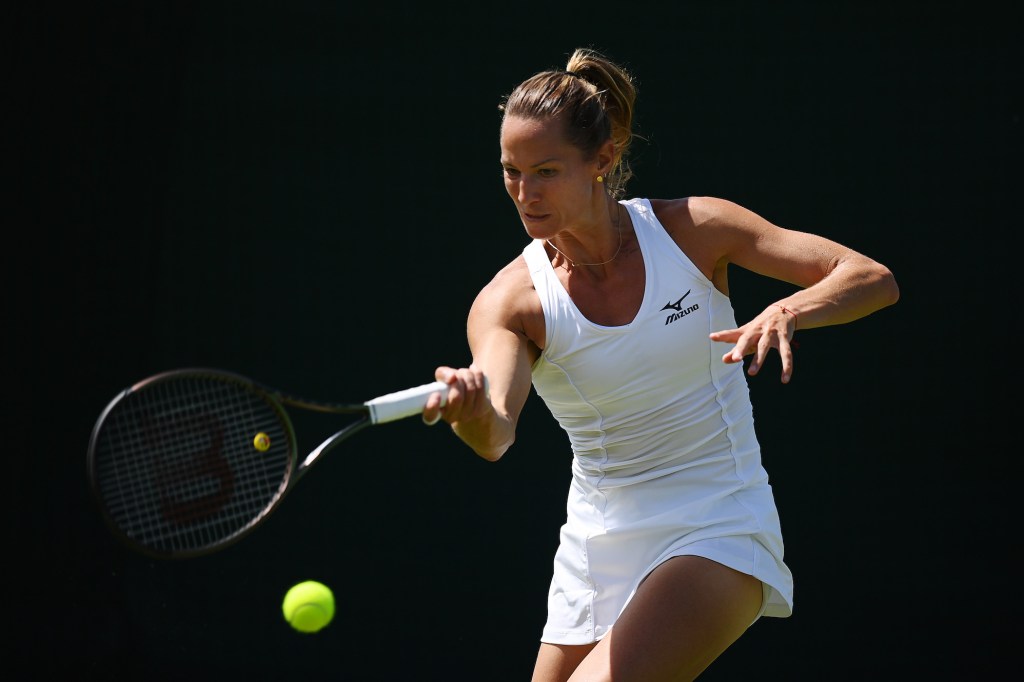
(618, 313)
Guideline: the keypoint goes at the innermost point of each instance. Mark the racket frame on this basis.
(383, 409)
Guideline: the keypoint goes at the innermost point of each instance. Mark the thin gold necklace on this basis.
(618, 217)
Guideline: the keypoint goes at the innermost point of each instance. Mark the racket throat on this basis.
(334, 440)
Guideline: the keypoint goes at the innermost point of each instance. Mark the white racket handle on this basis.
(402, 404)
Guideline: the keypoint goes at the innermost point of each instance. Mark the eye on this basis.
(510, 172)
(547, 172)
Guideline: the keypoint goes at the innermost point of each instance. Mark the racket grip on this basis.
(402, 404)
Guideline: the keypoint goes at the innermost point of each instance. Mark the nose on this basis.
(525, 189)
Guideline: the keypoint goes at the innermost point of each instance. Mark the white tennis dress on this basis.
(665, 459)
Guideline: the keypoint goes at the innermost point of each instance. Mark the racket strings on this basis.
(177, 467)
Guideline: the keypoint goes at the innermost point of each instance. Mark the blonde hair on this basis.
(594, 97)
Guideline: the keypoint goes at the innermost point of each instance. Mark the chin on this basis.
(538, 228)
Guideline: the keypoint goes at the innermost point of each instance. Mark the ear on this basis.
(605, 158)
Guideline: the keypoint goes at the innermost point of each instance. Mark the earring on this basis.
(600, 178)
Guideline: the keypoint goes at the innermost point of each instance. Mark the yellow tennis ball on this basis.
(261, 442)
(308, 606)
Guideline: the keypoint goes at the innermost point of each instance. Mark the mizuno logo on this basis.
(678, 308)
(678, 305)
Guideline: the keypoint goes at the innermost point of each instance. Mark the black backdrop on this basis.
(309, 193)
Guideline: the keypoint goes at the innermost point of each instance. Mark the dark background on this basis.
(309, 193)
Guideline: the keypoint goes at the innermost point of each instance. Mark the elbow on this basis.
(887, 284)
(494, 452)
(490, 455)
(877, 284)
(489, 437)
(495, 438)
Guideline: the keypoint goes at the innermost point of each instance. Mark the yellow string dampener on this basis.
(261, 442)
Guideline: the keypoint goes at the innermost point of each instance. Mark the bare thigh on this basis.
(556, 662)
(682, 617)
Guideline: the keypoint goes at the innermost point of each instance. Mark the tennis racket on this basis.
(187, 462)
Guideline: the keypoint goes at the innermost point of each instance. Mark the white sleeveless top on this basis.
(662, 435)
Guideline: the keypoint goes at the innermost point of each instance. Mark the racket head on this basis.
(175, 464)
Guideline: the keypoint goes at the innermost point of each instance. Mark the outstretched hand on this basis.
(773, 328)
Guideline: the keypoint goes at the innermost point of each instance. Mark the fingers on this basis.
(466, 396)
(729, 336)
(726, 335)
(432, 410)
(769, 330)
(786, 353)
(764, 344)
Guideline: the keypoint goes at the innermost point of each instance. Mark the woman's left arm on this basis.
(837, 284)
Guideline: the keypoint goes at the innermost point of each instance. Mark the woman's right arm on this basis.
(484, 413)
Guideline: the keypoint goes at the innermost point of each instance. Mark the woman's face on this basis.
(547, 178)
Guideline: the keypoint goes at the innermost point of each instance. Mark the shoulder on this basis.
(509, 302)
(507, 284)
(709, 218)
(508, 297)
(709, 230)
(696, 211)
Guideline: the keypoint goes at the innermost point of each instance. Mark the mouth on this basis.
(533, 217)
